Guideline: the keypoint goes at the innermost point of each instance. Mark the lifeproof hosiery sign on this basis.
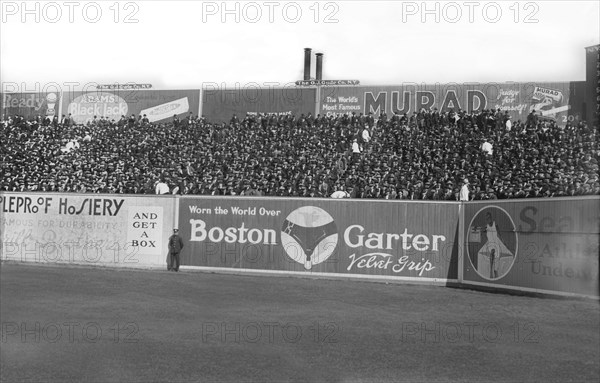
(541, 245)
(90, 229)
(370, 238)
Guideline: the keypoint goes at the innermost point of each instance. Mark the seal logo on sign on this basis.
(492, 242)
(309, 235)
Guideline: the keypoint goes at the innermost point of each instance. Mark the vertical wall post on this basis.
(461, 241)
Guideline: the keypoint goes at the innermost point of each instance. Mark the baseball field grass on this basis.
(66, 324)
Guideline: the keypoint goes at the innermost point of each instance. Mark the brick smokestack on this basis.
(319, 66)
(307, 58)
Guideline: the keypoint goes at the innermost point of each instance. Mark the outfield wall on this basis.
(539, 245)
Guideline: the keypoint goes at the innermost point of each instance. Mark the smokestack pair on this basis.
(307, 59)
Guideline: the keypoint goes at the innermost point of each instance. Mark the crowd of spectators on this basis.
(426, 155)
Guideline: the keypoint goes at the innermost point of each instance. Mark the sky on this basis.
(194, 44)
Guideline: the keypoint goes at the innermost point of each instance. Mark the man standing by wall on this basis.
(175, 246)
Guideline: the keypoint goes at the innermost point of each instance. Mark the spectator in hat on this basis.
(355, 148)
(162, 187)
(366, 137)
(464, 190)
(487, 148)
(340, 193)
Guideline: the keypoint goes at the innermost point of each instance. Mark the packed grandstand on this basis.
(422, 156)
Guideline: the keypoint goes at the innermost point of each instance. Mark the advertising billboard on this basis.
(366, 238)
(533, 245)
(592, 76)
(30, 105)
(157, 105)
(519, 99)
(219, 105)
(92, 229)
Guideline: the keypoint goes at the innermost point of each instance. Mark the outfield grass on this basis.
(161, 326)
